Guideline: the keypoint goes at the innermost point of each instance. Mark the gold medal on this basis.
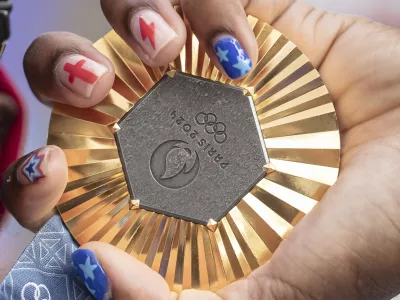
(208, 250)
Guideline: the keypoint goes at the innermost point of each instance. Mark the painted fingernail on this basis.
(92, 274)
(151, 31)
(35, 167)
(232, 56)
(79, 73)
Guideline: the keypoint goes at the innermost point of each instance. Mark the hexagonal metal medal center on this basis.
(191, 148)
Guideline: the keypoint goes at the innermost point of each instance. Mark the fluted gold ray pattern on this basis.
(298, 122)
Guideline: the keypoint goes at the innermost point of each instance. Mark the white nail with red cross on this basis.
(79, 73)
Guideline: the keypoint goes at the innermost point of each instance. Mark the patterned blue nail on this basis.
(232, 57)
(92, 274)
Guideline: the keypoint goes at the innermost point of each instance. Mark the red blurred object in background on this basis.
(13, 143)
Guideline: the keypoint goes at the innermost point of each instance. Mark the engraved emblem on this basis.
(189, 149)
(174, 164)
(211, 126)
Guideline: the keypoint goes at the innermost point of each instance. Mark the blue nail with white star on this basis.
(232, 57)
(92, 274)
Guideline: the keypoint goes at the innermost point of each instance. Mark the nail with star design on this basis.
(151, 31)
(232, 56)
(79, 73)
(92, 274)
(34, 168)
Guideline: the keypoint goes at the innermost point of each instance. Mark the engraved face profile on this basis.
(174, 164)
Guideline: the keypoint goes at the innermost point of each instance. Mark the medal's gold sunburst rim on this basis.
(301, 134)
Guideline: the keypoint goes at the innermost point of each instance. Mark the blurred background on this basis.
(29, 19)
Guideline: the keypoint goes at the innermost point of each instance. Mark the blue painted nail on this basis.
(232, 57)
(91, 272)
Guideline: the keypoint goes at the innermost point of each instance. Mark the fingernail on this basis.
(79, 73)
(34, 168)
(92, 274)
(232, 56)
(151, 31)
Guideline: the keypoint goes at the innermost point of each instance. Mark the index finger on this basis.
(66, 68)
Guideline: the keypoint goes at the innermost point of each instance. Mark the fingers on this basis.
(152, 28)
(199, 295)
(157, 33)
(223, 28)
(333, 43)
(312, 30)
(109, 272)
(352, 214)
(66, 68)
(32, 186)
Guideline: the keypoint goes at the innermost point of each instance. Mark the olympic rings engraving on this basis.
(211, 126)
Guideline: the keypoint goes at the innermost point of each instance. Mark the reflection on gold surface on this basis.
(300, 130)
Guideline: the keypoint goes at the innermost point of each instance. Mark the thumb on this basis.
(108, 272)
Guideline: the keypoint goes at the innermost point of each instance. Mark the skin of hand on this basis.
(348, 246)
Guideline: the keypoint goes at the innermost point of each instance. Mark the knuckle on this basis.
(33, 50)
(50, 46)
(287, 278)
(37, 59)
(43, 54)
(222, 16)
(271, 287)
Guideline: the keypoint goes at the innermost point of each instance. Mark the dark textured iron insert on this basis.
(191, 148)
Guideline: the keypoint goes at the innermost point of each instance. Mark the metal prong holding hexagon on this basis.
(269, 168)
(115, 128)
(248, 92)
(134, 204)
(171, 73)
(212, 225)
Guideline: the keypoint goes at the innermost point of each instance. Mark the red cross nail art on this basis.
(79, 73)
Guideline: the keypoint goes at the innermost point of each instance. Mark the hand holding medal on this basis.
(109, 103)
